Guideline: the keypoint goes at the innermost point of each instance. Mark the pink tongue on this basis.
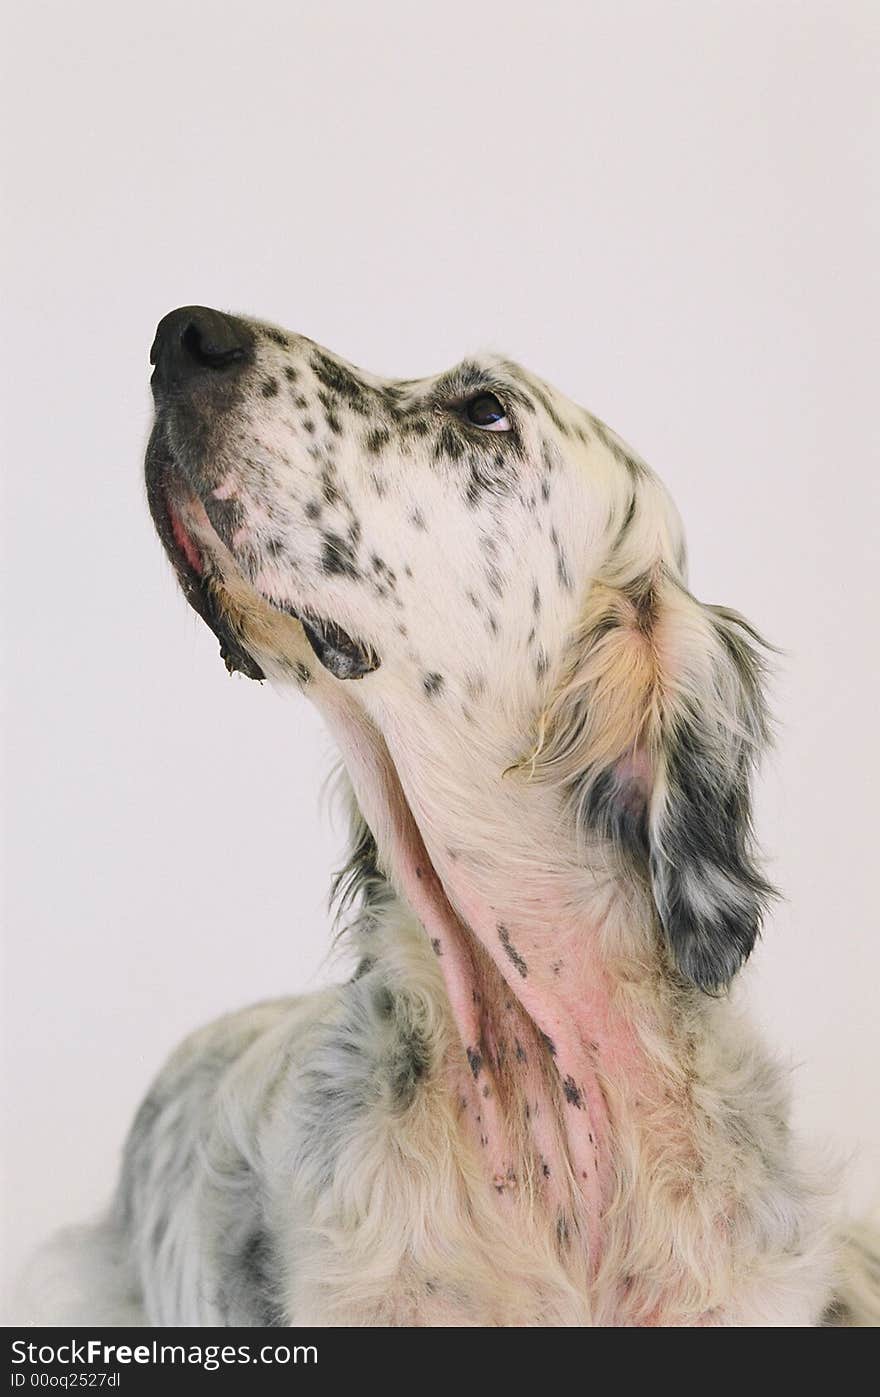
(185, 543)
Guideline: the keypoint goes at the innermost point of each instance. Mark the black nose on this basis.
(193, 342)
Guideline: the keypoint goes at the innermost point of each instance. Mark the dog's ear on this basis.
(654, 731)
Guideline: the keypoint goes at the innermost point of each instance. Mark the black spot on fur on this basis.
(269, 388)
(561, 563)
(635, 469)
(328, 403)
(339, 380)
(391, 395)
(337, 556)
(416, 427)
(409, 1062)
(376, 440)
(495, 580)
(226, 516)
(511, 952)
(333, 492)
(448, 445)
(547, 404)
(490, 476)
(475, 1062)
(563, 1230)
(383, 999)
(432, 683)
(572, 1093)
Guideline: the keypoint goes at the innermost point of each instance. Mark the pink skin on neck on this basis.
(534, 1044)
(554, 980)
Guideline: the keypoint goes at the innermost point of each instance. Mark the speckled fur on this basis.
(536, 1101)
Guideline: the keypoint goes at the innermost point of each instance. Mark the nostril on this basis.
(197, 343)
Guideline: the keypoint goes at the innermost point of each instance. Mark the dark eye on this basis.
(485, 411)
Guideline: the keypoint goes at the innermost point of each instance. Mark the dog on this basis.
(535, 1102)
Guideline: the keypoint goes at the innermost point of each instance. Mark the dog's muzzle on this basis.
(199, 359)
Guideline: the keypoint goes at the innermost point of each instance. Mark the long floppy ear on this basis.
(655, 730)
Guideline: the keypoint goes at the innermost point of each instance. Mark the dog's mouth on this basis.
(194, 552)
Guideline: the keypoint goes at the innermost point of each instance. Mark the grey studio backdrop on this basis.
(668, 210)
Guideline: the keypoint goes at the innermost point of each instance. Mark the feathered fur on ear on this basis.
(654, 731)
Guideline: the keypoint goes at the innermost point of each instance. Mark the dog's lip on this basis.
(166, 495)
(341, 654)
(172, 493)
(184, 539)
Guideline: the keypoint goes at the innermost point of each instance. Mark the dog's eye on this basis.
(485, 411)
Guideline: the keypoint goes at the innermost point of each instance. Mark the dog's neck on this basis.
(547, 952)
(549, 963)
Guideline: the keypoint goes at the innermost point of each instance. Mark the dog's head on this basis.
(480, 577)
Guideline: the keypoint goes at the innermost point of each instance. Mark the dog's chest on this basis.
(406, 1230)
(380, 1209)
(408, 1233)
